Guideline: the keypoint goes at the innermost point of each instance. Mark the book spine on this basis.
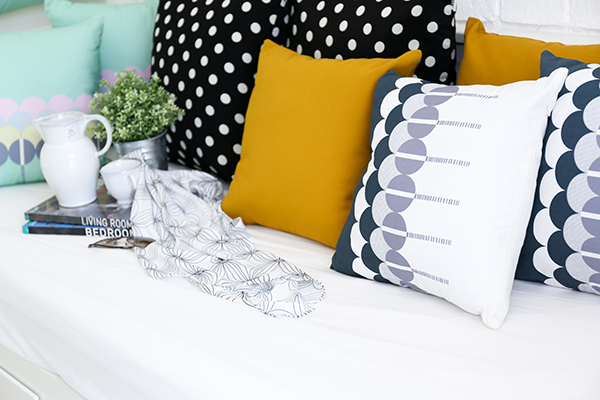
(114, 223)
(37, 228)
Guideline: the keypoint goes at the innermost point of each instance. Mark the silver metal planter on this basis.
(154, 150)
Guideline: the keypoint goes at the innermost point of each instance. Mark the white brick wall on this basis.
(570, 21)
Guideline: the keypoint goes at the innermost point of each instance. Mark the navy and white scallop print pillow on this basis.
(562, 247)
(444, 202)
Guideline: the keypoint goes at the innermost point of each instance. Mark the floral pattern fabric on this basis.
(194, 239)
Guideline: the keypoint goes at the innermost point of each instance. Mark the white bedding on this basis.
(96, 318)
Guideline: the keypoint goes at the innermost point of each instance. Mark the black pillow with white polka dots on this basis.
(206, 53)
(378, 28)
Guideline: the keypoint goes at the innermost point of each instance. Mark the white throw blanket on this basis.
(196, 240)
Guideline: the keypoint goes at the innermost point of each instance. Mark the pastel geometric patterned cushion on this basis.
(378, 29)
(443, 204)
(7, 6)
(42, 72)
(206, 52)
(126, 36)
(562, 247)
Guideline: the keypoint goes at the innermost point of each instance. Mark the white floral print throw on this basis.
(194, 239)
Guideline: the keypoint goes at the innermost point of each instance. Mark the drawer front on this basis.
(12, 389)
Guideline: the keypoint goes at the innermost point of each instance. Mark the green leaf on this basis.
(136, 109)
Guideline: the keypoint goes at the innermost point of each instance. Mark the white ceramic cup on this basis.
(121, 177)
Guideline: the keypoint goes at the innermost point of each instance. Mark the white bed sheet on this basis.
(112, 332)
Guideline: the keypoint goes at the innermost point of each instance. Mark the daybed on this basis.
(98, 320)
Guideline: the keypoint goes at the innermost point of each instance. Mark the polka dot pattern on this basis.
(383, 28)
(206, 52)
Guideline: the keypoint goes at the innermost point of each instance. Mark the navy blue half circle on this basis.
(573, 129)
(565, 279)
(409, 90)
(372, 188)
(369, 258)
(566, 169)
(586, 93)
(381, 152)
(558, 249)
(560, 210)
(394, 118)
(367, 225)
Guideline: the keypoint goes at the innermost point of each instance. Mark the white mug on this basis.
(121, 177)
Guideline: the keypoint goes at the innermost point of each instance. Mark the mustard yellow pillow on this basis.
(494, 59)
(306, 140)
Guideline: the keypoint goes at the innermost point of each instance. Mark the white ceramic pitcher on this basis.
(69, 158)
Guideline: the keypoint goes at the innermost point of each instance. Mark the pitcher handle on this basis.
(106, 124)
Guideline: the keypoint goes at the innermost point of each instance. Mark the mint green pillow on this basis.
(7, 6)
(42, 72)
(127, 36)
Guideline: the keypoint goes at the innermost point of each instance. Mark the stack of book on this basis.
(102, 218)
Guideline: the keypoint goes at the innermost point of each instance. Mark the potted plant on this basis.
(139, 113)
